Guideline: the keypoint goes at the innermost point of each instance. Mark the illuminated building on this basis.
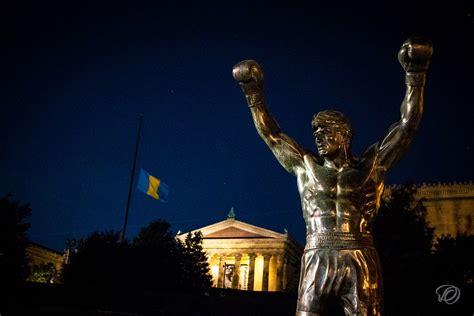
(449, 207)
(41, 255)
(246, 257)
(45, 264)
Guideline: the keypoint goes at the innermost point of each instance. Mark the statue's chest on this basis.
(339, 182)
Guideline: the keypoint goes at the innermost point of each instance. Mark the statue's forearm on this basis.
(249, 75)
(264, 122)
(401, 134)
(412, 105)
(414, 56)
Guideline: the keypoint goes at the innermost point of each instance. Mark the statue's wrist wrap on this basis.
(254, 99)
(415, 79)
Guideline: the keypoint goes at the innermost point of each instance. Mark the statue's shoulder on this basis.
(370, 155)
(310, 156)
(311, 164)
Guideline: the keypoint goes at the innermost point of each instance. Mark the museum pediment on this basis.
(233, 232)
(231, 228)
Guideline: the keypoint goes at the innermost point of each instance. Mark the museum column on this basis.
(266, 266)
(279, 285)
(285, 273)
(220, 278)
(235, 278)
(251, 271)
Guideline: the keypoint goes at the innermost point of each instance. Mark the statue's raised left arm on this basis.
(414, 56)
(289, 154)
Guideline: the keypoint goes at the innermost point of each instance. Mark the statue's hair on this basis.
(335, 120)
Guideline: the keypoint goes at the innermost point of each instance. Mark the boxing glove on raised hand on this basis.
(249, 75)
(415, 55)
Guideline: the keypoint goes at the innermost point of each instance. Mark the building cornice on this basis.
(440, 190)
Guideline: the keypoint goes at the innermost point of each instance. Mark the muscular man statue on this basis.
(340, 194)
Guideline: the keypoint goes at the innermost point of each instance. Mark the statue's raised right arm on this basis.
(249, 75)
(414, 56)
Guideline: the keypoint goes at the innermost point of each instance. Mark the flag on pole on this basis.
(152, 186)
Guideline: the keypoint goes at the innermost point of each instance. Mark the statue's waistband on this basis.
(338, 240)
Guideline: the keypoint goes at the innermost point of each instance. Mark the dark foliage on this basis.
(13, 240)
(403, 241)
(156, 257)
(193, 262)
(454, 260)
(99, 259)
(154, 260)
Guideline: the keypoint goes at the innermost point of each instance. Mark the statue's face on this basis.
(328, 140)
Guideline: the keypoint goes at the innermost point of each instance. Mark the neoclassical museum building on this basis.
(246, 257)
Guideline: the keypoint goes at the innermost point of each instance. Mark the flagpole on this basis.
(124, 227)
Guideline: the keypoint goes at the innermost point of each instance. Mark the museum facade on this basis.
(246, 257)
(449, 207)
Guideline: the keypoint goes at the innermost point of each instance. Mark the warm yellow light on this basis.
(245, 260)
(244, 273)
(215, 274)
(243, 277)
(230, 260)
(257, 282)
(272, 274)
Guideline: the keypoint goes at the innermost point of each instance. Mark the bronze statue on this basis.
(340, 194)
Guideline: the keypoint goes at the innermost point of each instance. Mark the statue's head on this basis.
(332, 132)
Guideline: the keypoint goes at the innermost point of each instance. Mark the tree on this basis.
(154, 260)
(453, 263)
(13, 240)
(156, 237)
(156, 252)
(99, 259)
(194, 265)
(404, 242)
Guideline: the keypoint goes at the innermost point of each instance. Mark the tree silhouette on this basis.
(193, 261)
(156, 253)
(156, 237)
(454, 265)
(99, 259)
(13, 240)
(154, 260)
(404, 242)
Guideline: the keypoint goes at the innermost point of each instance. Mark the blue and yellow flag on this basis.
(152, 186)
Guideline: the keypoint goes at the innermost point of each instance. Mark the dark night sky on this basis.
(77, 79)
